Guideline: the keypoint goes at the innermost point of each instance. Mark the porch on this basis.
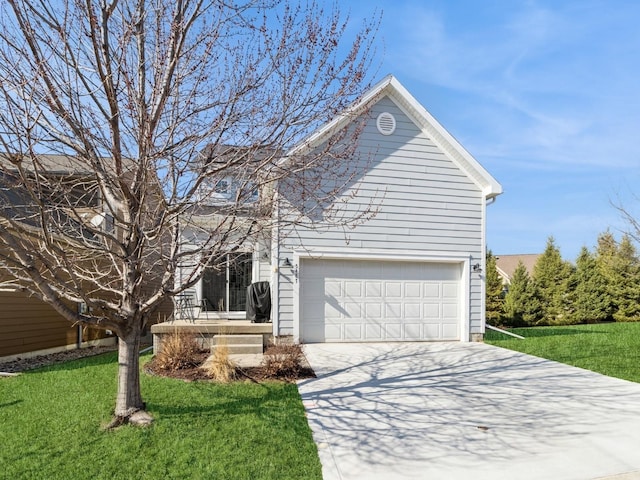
(206, 331)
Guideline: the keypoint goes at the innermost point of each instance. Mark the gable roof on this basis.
(391, 87)
(507, 264)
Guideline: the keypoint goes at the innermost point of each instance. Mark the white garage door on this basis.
(368, 301)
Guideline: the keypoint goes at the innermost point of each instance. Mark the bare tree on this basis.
(118, 120)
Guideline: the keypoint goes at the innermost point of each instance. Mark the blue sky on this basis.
(544, 94)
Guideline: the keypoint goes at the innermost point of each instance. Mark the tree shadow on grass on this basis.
(212, 400)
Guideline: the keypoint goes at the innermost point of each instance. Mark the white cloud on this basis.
(552, 84)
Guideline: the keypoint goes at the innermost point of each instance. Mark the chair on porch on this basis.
(206, 307)
(186, 304)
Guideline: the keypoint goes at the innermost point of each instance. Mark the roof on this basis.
(507, 264)
(392, 88)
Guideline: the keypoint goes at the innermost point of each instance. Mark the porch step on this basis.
(239, 344)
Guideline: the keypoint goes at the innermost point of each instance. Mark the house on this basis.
(507, 264)
(29, 326)
(411, 270)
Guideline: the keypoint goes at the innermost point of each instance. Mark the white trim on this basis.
(465, 326)
(385, 255)
(483, 274)
(275, 274)
(391, 87)
(379, 254)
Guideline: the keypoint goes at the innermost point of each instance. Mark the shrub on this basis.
(219, 366)
(283, 360)
(178, 351)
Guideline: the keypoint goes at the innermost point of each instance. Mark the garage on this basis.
(379, 300)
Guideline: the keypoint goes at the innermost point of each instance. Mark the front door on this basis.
(224, 287)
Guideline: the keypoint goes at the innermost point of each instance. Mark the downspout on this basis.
(483, 289)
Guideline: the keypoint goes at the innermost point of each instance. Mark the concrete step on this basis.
(239, 348)
(237, 339)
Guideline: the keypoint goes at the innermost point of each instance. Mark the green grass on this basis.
(51, 427)
(612, 349)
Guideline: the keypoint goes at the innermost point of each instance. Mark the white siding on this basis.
(425, 204)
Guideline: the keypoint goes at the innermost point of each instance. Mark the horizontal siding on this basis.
(28, 324)
(424, 203)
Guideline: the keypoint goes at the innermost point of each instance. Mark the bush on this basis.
(219, 366)
(283, 360)
(178, 351)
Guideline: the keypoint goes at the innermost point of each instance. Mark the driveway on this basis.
(466, 411)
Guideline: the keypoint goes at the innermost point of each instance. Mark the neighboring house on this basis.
(29, 326)
(413, 271)
(507, 264)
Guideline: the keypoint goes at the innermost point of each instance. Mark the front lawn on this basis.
(612, 349)
(51, 427)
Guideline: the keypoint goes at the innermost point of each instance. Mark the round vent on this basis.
(386, 123)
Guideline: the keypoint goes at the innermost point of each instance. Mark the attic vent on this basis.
(386, 123)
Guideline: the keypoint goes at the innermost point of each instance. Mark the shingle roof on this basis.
(507, 264)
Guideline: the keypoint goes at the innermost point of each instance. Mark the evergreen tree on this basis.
(551, 277)
(522, 305)
(590, 297)
(494, 292)
(627, 288)
(620, 267)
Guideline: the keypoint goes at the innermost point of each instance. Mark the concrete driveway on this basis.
(466, 411)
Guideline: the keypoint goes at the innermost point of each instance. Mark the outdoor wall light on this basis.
(287, 263)
(477, 268)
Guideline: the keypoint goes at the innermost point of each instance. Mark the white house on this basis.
(412, 272)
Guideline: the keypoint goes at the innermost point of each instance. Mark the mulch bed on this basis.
(250, 374)
(24, 364)
(253, 374)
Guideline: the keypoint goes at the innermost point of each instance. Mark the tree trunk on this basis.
(129, 404)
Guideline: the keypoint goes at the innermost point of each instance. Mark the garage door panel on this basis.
(317, 331)
(331, 288)
(412, 311)
(373, 310)
(412, 290)
(393, 290)
(450, 332)
(431, 332)
(412, 330)
(450, 290)
(353, 310)
(449, 311)
(431, 290)
(353, 289)
(373, 331)
(393, 331)
(353, 332)
(379, 300)
(332, 310)
(431, 311)
(373, 289)
(315, 312)
(393, 311)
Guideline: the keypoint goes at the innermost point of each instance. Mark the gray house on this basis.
(413, 271)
